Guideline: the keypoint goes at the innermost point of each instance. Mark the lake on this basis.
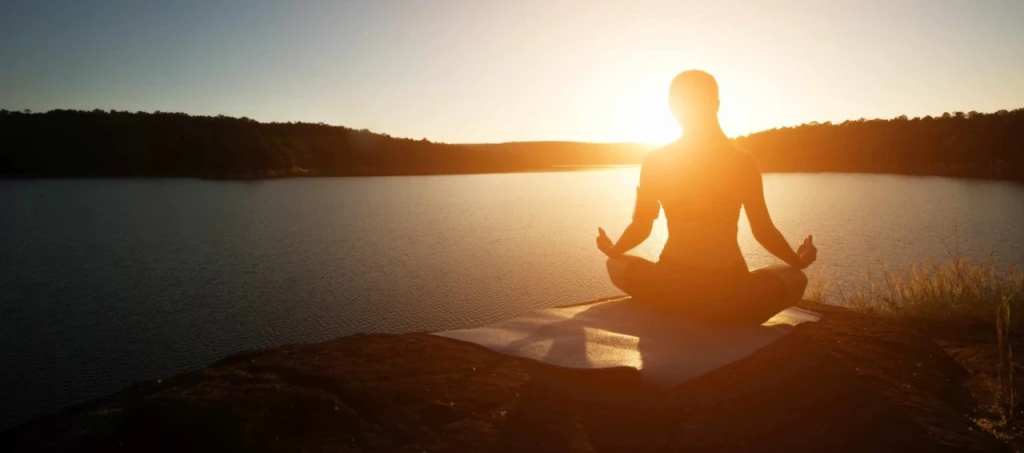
(109, 282)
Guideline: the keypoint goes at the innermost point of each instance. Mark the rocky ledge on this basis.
(846, 383)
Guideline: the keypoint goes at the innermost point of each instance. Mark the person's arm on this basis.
(635, 234)
(761, 223)
(644, 213)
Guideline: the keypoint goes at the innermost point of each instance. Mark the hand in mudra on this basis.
(604, 243)
(807, 252)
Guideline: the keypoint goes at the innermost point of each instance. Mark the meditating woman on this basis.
(701, 181)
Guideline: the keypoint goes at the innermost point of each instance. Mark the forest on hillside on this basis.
(69, 143)
(972, 145)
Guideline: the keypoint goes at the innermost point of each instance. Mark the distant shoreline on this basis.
(69, 143)
(554, 169)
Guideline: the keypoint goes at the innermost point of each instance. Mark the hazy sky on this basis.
(503, 70)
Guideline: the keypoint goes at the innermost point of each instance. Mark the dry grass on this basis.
(1006, 369)
(957, 291)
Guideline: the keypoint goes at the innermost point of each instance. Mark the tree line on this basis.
(71, 143)
(972, 145)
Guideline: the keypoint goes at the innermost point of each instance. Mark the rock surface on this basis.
(846, 383)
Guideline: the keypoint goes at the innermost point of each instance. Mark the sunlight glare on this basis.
(643, 113)
(646, 118)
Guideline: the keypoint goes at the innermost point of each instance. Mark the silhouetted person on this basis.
(701, 181)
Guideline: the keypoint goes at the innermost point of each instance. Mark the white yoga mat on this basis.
(666, 350)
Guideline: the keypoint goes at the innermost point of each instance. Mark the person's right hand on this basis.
(604, 243)
(807, 252)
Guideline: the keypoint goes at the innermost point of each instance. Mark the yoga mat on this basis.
(667, 350)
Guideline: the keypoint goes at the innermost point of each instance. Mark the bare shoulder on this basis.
(744, 160)
(657, 156)
(655, 160)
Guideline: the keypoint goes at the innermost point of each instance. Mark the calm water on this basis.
(108, 282)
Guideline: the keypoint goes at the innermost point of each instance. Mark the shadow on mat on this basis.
(667, 349)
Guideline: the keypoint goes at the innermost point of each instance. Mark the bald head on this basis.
(693, 98)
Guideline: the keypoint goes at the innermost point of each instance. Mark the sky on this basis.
(479, 71)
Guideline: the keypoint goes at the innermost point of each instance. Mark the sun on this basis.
(635, 106)
(640, 110)
(653, 127)
(645, 118)
(650, 121)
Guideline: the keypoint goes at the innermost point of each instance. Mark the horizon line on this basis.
(619, 143)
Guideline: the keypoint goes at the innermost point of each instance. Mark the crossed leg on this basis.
(617, 270)
(770, 289)
(765, 291)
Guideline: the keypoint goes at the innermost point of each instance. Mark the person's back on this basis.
(702, 181)
(701, 189)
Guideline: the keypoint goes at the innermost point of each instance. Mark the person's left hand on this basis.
(807, 252)
(604, 243)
